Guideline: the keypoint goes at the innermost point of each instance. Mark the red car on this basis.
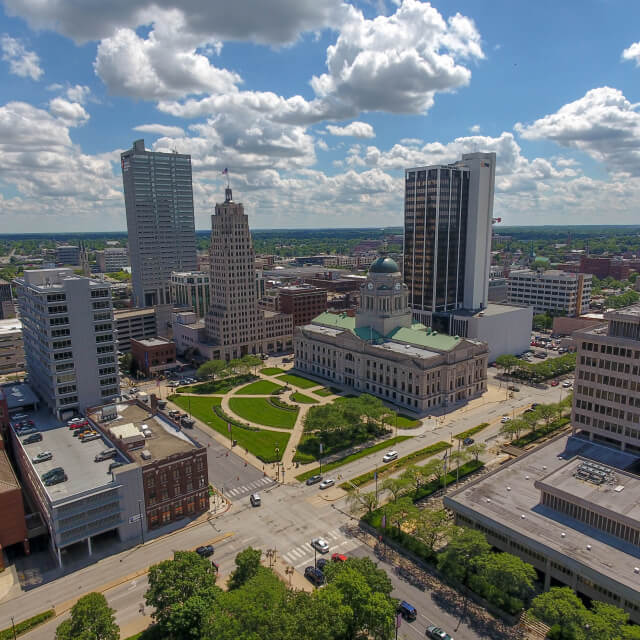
(338, 557)
(78, 425)
(554, 383)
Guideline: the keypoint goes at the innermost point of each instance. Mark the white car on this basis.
(505, 419)
(43, 456)
(325, 484)
(174, 383)
(320, 544)
(74, 421)
(389, 456)
(567, 384)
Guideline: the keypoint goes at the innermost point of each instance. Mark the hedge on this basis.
(280, 404)
(540, 432)
(27, 625)
(471, 432)
(400, 463)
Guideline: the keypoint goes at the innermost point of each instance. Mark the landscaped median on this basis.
(400, 463)
(27, 625)
(353, 456)
(298, 381)
(540, 432)
(262, 411)
(260, 442)
(472, 432)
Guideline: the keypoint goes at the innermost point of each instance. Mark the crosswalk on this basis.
(251, 487)
(303, 554)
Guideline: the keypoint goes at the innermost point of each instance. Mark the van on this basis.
(255, 500)
(407, 611)
(106, 454)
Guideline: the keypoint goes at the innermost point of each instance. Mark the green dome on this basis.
(384, 265)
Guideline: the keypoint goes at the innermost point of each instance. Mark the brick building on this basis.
(153, 354)
(604, 267)
(303, 302)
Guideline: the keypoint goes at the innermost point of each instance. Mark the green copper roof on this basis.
(415, 335)
(384, 265)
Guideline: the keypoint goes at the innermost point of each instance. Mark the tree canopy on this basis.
(91, 619)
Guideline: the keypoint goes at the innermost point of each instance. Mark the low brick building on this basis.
(153, 354)
(304, 303)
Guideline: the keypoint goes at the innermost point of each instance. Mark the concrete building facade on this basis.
(134, 323)
(7, 308)
(160, 220)
(550, 291)
(69, 339)
(379, 350)
(68, 254)
(191, 289)
(112, 259)
(11, 346)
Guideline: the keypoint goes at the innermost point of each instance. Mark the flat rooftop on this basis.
(19, 394)
(165, 439)
(501, 499)
(154, 342)
(132, 313)
(10, 326)
(492, 309)
(74, 456)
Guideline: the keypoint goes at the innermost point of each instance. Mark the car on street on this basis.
(255, 500)
(320, 544)
(505, 419)
(314, 479)
(34, 437)
(205, 551)
(467, 441)
(554, 383)
(321, 563)
(338, 557)
(325, 484)
(436, 633)
(567, 384)
(389, 456)
(314, 575)
(174, 383)
(407, 611)
(43, 456)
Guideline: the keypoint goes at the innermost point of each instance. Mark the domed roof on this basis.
(384, 265)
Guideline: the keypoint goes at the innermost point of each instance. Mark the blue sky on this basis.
(317, 106)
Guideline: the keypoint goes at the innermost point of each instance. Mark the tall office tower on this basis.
(447, 239)
(69, 339)
(234, 322)
(158, 198)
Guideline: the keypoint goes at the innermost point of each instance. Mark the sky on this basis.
(316, 107)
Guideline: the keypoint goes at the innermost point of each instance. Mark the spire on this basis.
(228, 195)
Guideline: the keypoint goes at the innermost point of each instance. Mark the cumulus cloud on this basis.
(353, 129)
(475, 128)
(276, 22)
(602, 124)
(78, 93)
(22, 62)
(72, 114)
(632, 53)
(322, 145)
(161, 129)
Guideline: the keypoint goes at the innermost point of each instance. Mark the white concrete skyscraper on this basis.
(158, 198)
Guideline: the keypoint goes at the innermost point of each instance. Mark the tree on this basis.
(377, 579)
(211, 369)
(465, 548)
(251, 361)
(357, 501)
(477, 449)
(177, 589)
(91, 619)
(507, 362)
(395, 486)
(542, 321)
(432, 527)
(247, 564)
(547, 412)
(560, 606)
(400, 512)
(510, 429)
(414, 475)
(434, 468)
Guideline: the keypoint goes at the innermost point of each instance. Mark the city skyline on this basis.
(318, 105)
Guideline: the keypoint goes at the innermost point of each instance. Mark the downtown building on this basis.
(112, 259)
(69, 339)
(448, 216)
(158, 198)
(381, 351)
(570, 506)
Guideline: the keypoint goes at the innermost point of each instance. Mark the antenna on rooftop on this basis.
(228, 195)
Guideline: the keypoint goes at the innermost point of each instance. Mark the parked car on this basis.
(205, 551)
(25, 431)
(52, 472)
(78, 425)
(505, 419)
(91, 437)
(78, 433)
(314, 575)
(407, 611)
(554, 383)
(512, 387)
(34, 437)
(314, 479)
(106, 454)
(338, 557)
(467, 441)
(436, 633)
(321, 563)
(320, 544)
(174, 383)
(567, 384)
(43, 456)
(389, 456)
(255, 500)
(75, 421)
(325, 484)
(55, 479)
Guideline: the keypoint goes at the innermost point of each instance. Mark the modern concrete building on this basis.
(550, 291)
(134, 323)
(234, 322)
(68, 254)
(303, 302)
(69, 339)
(191, 289)
(11, 346)
(380, 351)
(160, 221)
(448, 212)
(112, 259)
(606, 400)
(153, 355)
(7, 308)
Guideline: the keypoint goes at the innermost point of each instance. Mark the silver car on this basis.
(43, 456)
(320, 544)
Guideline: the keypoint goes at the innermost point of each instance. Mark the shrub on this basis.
(27, 625)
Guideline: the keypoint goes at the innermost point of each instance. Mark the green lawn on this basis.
(217, 386)
(262, 387)
(261, 411)
(271, 371)
(300, 397)
(260, 443)
(404, 422)
(471, 432)
(354, 456)
(298, 381)
(323, 392)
